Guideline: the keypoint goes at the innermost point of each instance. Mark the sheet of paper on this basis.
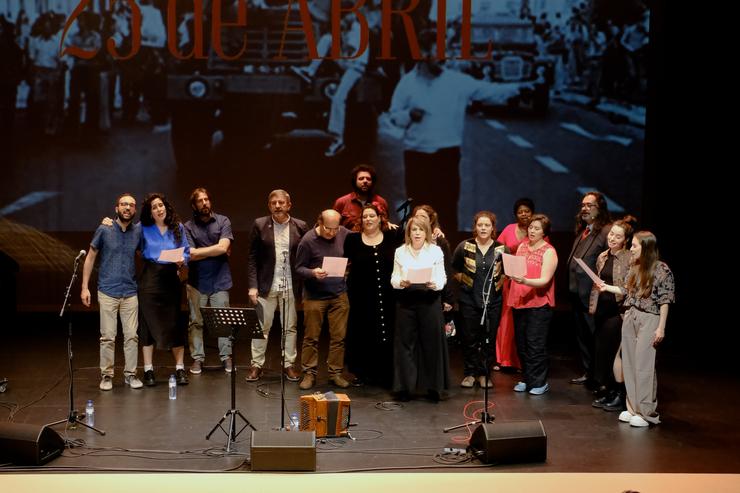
(420, 276)
(588, 271)
(174, 255)
(514, 265)
(335, 266)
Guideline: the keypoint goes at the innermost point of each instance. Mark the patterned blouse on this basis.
(664, 291)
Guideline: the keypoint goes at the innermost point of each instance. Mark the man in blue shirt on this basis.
(116, 290)
(209, 235)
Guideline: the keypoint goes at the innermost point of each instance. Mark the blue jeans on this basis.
(196, 300)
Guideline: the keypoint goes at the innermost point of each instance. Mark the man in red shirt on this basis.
(350, 206)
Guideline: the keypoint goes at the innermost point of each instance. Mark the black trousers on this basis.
(531, 326)
(420, 353)
(84, 79)
(585, 327)
(479, 341)
(425, 172)
(607, 338)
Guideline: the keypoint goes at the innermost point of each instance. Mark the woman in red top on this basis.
(532, 299)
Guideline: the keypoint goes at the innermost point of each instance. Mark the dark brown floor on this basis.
(146, 431)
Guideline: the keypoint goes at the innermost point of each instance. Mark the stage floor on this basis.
(145, 431)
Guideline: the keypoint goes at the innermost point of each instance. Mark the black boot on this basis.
(604, 400)
(616, 404)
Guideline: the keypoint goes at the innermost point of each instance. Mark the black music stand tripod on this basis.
(73, 418)
(225, 322)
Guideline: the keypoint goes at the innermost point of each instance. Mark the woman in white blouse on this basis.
(420, 354)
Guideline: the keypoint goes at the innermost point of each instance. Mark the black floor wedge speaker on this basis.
(509, 442)
(283, 451)
(29, 445)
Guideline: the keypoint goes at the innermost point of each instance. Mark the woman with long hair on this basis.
(420, 353)
(532, 298)
(649, 291)
(370, 331)
(477, 263)
(160, 289)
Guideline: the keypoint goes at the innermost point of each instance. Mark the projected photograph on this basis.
(543, 99)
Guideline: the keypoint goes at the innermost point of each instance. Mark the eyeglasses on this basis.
(331, 229)
(127, 204)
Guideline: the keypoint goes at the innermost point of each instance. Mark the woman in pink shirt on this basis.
(532, 299)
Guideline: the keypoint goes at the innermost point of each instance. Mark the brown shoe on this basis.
(292, 374)
(339, 381)
(308, 381)
(255, 372)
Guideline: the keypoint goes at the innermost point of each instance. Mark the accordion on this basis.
(325, 414)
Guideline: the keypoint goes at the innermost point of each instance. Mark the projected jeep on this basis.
(252, 98)
(515, 58)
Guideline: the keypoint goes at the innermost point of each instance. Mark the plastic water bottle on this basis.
(173, 388)
(294, 421)
(90, 413)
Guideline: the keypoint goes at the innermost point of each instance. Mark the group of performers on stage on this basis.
(390, 307)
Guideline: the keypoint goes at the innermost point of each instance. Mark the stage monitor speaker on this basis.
(283, 451)
(29, 445)
(509, 442)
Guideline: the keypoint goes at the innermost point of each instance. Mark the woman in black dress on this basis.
(370, 252)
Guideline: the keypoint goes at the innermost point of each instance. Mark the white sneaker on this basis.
(520, 387)
(625, 416)
(133, 382)
(540, 390)
(638, 421)
(468, 382)
(106, 383)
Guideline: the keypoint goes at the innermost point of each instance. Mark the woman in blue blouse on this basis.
(160, 290)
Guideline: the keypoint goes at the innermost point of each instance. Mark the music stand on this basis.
(225, 322)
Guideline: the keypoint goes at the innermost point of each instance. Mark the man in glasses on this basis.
(116, 246)
(591, 230)
(323, 296)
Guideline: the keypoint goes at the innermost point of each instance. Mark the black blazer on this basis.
(589, 248)
(261, 264)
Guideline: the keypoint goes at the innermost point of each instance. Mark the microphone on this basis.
(405, 204)
(80, 255)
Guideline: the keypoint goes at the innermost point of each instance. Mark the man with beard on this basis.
(350, 206)
(116, 290)
(209, 277)
(591, 231)
(430, 103)
(272, 252)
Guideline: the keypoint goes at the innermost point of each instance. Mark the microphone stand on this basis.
(283, 326)
(73, 418)
(485, 416)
